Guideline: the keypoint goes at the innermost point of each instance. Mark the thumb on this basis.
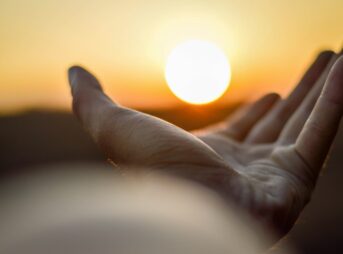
(131, 137)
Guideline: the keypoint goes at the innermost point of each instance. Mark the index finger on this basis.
(269, 128)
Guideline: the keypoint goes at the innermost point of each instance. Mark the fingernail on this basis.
(274, 96)
(78, 75)
(73, 77)
(326, 54)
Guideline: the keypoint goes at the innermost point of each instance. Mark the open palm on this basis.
(266, 159)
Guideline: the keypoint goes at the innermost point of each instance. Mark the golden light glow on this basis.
(197, 72)
(126, 44)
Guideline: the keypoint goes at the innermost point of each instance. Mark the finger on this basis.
(269, 128)
(295, 124)
(241, 122)
(319, 131)
(128, 136)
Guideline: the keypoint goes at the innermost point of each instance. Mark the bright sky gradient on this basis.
(268, 42)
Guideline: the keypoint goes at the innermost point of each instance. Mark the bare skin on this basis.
(266, 158)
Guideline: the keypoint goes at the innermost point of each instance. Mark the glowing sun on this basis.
(197, 72)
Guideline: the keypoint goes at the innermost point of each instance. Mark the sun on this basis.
(197, 72)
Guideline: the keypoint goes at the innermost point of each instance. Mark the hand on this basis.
(266, 159)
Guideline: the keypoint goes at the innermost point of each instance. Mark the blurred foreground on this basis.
(74, 209)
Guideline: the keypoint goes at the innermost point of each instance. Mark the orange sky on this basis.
(269, 43)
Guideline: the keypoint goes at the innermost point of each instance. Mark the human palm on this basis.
(265, 159)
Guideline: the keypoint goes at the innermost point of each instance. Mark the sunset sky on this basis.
(125, 43)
